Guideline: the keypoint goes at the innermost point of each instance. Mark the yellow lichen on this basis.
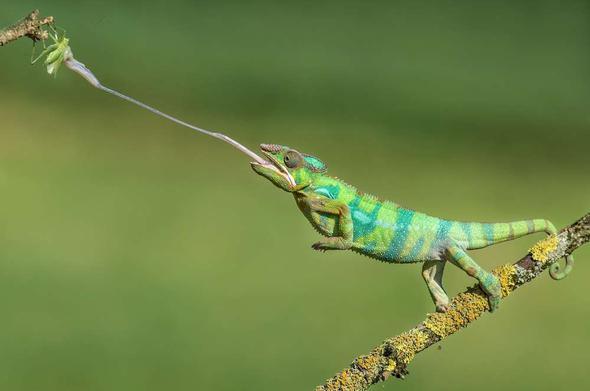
(506, 274)
(465, 308)
(408, 344)
(346, 380)
(391, 366)
(542, 249)
(367, 362)
(443, 324)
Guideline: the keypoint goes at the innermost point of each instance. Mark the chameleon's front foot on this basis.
(492, 288)
(443, 307)
(335, 243)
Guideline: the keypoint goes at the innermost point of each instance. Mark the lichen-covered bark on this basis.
(30, 26)
(392, 357)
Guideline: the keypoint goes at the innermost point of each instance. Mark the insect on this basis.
(57, 53)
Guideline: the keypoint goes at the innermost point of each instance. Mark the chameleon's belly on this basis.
(398, 235)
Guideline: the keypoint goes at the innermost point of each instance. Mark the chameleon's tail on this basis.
(555, 269)
(485, 234)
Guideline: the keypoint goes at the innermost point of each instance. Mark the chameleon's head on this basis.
(288, 169)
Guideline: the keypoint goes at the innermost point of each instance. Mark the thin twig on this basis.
(29, 26)
(392, 357)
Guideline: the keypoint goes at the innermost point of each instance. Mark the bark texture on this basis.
(30, 26)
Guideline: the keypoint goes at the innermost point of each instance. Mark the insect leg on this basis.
(43, 53)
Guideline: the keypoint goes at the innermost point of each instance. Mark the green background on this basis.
(138, 255)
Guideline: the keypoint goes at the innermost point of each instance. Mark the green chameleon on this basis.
(384, 230)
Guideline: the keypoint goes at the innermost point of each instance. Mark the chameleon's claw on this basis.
(317, 203)
(492, 288)
(332, 243)
(442, 308)
(319, 246)
(494, 302)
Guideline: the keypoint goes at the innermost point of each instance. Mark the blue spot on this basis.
(330, 191)
(489, 232)
(315, 164)
(444, 227)
(363, 223)
(401, 231)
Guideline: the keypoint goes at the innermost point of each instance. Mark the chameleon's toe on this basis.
(492, 288)
(317, 203)
(442, 308)
(494, 302)
(319, 246)
(333, 243)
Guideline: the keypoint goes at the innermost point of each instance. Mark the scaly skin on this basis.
(351, 220)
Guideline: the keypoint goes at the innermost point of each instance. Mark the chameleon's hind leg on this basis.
(343, 240)
(432, 272)
(488, 282)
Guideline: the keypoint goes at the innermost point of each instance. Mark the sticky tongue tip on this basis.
(81, 69)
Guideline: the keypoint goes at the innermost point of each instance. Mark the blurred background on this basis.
(138, 255)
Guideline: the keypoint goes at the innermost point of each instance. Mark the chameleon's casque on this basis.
(383, 230)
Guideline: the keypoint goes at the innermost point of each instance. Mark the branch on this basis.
(392, 357)
(29, 26)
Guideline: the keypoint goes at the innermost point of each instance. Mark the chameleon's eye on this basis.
(292, 159)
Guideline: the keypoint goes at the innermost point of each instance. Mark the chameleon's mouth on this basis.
(273, 164)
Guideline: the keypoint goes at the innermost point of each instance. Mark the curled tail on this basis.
(555, 269)
(479, 235)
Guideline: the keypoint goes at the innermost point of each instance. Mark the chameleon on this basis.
(352, 220)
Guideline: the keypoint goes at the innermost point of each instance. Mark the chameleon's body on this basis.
(383, 230)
